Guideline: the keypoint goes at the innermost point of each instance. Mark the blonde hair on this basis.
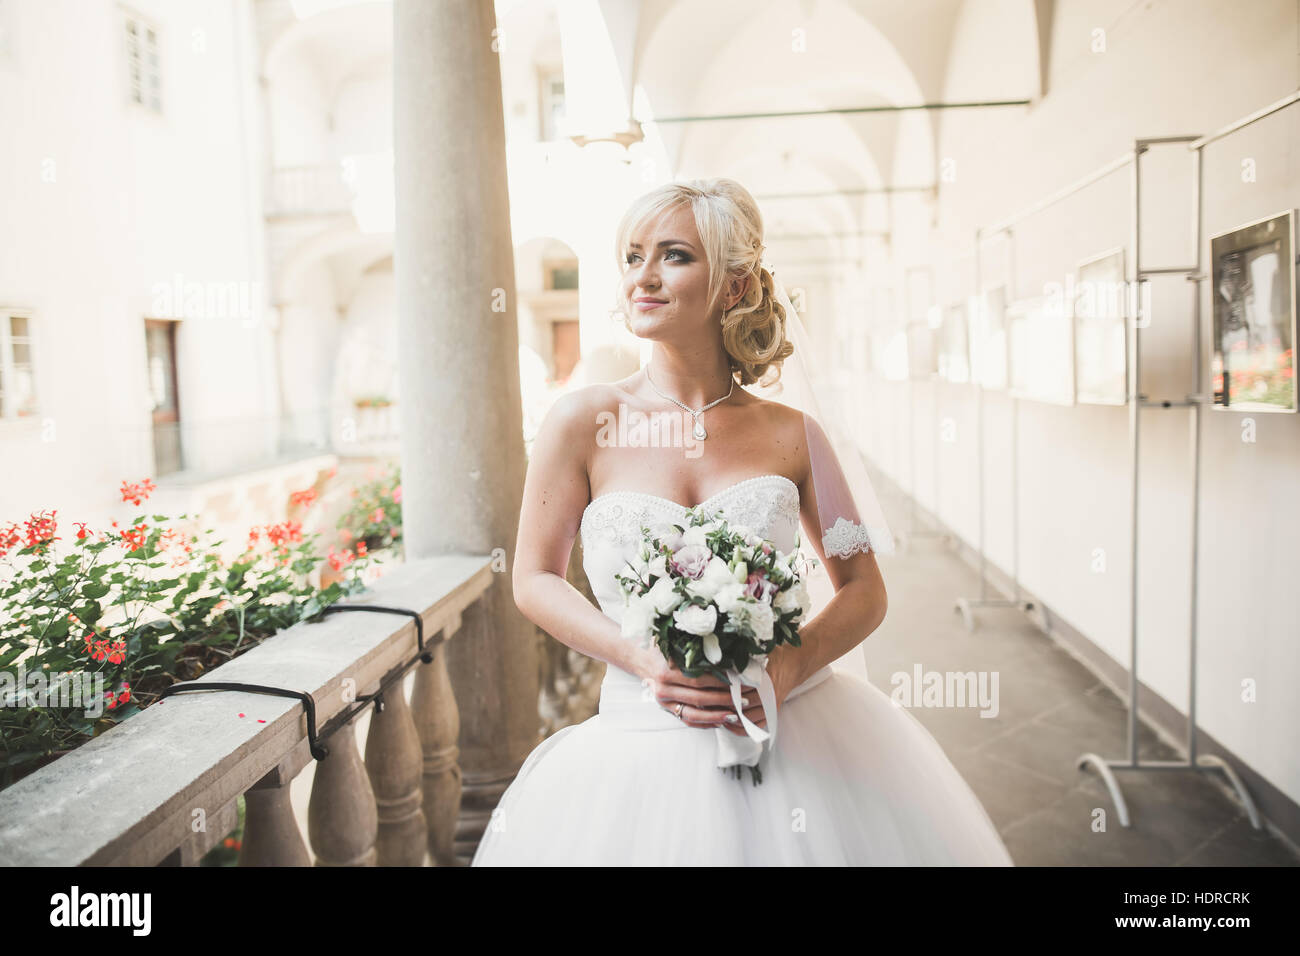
(731, 230)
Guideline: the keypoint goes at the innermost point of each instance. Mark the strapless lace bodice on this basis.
(611, 525)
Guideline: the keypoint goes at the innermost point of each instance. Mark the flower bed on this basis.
(91, 636)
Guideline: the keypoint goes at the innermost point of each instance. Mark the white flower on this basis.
(715, 577)
(693, 535)
(711, 526)
(792, 599)
(751, 539)
(662, 596)
(745, 553)
(758, 615)
(728, 596)
(697, 620)
(712, 649)
(638, 619)
(658, 566)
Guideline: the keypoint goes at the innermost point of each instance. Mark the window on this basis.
(160, 371)
(552, 93)
(560, 274)
(17, 372)
(144, 71)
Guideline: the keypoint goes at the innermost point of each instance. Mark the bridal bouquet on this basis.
(717, 598)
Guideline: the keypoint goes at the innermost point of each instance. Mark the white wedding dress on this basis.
(853, 779)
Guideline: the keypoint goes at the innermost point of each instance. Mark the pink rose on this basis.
(691, 561)
(759, 587)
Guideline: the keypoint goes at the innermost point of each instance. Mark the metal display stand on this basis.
(1194, 273)
(1136, 401)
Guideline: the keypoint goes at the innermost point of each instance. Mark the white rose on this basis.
(793, 599)
(728, 596)
(760, 618)
(751, 539)
(696, 620)
(662, 596)
(638, 619)
(693, 535)
(715, 577)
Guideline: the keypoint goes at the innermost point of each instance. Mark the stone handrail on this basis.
(161, 787)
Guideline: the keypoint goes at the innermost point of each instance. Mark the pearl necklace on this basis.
(699, 431)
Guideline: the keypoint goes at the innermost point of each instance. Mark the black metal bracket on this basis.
(426, 656)
(318, 749)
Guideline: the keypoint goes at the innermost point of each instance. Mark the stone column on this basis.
(462, 425)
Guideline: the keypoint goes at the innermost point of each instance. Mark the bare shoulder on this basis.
(785, 429)
(577, 409)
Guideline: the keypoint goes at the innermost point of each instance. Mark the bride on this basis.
(850, 778)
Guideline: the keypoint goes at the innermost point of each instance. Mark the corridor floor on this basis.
(1021, 762)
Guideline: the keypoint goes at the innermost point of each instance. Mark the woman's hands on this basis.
(784, 671)
(706, 700)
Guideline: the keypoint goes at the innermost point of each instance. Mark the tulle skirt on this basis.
(853, 780)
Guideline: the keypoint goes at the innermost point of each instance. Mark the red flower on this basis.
(361, 548)
(377, 516)
(397, 494)
(40, 528)
(82, 533)
(136, 493)
(304, 498)
(134, 537)
(9, 537)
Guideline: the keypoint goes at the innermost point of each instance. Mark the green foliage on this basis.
(375, 516)
(140, 607)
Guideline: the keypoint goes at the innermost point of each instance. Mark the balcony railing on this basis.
(321, 190)
(161, 787)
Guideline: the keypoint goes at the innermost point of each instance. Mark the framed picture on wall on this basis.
(954, 345)
(1252, 350)
(923, 347)
(1040, 351)
(988, 327)
(1100, 308)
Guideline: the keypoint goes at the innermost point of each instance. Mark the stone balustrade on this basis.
(161, 787)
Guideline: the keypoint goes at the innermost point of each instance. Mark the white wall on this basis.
(1168, 69)
(104, 204)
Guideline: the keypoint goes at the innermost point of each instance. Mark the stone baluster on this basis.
(437, 720)
(342, 819)
(393, 760)
(271, 834)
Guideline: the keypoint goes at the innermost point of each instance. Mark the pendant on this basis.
(699, 432)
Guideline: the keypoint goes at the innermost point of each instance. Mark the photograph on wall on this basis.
(1040, 351)
(1252, 362)
(988, 327)
(954, 345)
(1100, 345)
(923, 347)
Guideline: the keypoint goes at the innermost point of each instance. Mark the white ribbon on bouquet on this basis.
(745, 751)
